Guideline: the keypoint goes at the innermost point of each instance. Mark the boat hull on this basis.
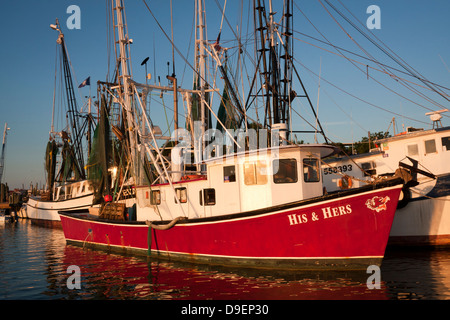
(45, 213)
(345, 232)
(422, 222)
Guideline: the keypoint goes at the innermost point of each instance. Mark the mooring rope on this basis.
(151, 226)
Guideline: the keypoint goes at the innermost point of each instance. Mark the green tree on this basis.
(364, 145)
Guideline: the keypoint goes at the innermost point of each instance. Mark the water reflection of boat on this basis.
(110, 276)
(417, 274)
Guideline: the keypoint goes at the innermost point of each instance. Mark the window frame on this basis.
(155, 200)
(178, 193)
(445, 144)
(427, 145)
(317, 170)
(416, 146)
(254, 168)
(231, 175)
(283, 169)
(207, 197)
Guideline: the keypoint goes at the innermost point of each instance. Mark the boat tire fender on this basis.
(405, 197)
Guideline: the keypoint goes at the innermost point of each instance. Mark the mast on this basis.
(76, 148)
(287, 56)
(124, 76)
(277, 88)
(201, 66)
(200, 78)
(2, 158)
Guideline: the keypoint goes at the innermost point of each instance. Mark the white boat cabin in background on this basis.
(424, 210)
(239, 183)
(72, 190)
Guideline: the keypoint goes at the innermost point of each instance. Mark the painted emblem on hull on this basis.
(377, 203)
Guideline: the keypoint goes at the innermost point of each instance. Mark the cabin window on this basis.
(255, 173)
(446, 143)
(413, 150)
(311, 170)
(208, 197)
(229, 174)
(62, 193)
(155, 197)
(430, 146)
(69, 192)
(285, 171)
(181, 195)
(369, 168)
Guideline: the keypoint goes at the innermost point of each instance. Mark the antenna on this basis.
(436, 117)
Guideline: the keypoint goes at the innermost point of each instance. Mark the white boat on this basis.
(66, 186)
(23, 213)
(71, 196)
(4, 218)
(78, 177)
(423, 215)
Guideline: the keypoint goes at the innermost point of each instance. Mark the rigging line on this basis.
(401, 82)
(362, 100)
(187, 62)
(387, 47)
(304, 119)
(108, 37)
(357, 66)
(291, 58)
(174, 46)
(353, 40)
(371, 67)
(416, 75)
(171, 27)
(337, 105)
(224, 17)
(178, 51)
(382, 49)
(54, 91)
(360, 56)
(188, 50)
(371, 33)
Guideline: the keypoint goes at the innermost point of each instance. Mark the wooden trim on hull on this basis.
(304, 264)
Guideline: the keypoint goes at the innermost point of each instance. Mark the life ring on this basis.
(345, 182)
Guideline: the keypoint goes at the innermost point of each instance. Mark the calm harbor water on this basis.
(34, 264)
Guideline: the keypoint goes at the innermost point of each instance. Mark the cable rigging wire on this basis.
(352, 62)
(405, 66)
(393, 76)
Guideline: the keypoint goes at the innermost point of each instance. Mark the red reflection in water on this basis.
(111, 276)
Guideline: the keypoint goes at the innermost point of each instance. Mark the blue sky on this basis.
(415, 30)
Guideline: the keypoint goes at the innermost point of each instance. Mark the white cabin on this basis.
(72, 190)
(238, 183)
(431, 148)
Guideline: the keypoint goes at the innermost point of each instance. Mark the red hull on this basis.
(348, 232)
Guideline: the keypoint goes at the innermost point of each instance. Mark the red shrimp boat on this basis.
(344, 230)
(258, 207)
